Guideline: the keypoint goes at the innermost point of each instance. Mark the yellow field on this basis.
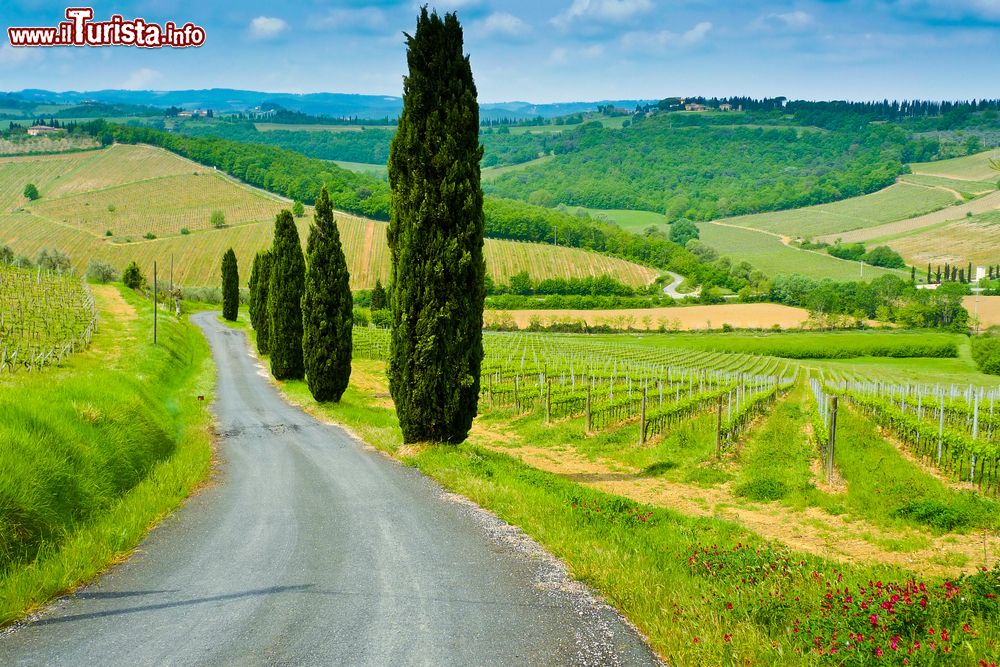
(973, 240)
(970, 168)
(683, 318)
(986, 307)
(152, 190)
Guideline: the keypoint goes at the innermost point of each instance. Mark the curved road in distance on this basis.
(311, 549)
(671, 289)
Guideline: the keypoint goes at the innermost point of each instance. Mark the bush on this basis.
(298, 210)
(185, 231)
(31, 192)
(986, 354)
(885, 257)
(852, 251)
(218, 219)
(108, 233)
(382, 318)
(360, 317)
(6, 255)
(150, 236)
(132, 276)
(101, 272)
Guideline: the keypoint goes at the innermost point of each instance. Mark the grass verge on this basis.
(95, 452)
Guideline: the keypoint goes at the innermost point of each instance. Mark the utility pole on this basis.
(154, 302)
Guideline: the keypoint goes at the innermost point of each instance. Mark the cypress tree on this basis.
(928, 273)
(435, 235)
(378, 296)
(260, 278)
(327, 307)
(284, 300)
(230, 286)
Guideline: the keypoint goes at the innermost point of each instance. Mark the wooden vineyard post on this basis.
(718, 429)
(548, 400)
(833, 440)
(940, 429)
(517, 397)
(589, 387)
(492, 400)
(154, 303)
(642, 419)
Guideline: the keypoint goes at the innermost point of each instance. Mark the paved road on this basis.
(671, 289)
(313, 550)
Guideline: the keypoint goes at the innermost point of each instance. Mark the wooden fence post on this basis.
(718, 429)
(548, 400)
(642, 419)
(833, 440)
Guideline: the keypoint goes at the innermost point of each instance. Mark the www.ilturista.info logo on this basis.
(81, 30)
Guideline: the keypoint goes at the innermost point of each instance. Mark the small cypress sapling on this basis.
(284, 300)
(230, 286)
(327, 307)
(378, 296)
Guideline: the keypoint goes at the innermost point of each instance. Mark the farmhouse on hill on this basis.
(36, 130)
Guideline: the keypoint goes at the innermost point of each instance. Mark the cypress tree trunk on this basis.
(327, 308)
(284, 300)
(230, 286)
(436, 239)
(260, 282)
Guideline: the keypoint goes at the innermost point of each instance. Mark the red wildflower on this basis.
(727, 638)
(878, 652)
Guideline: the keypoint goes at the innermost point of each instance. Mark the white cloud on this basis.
(13, 57)
(796, 20)
(559, 56)
(368, 18)
(141, 79)
(267, 27)
(667, 39)
(502, 23)
(612, 11)
(562, 55)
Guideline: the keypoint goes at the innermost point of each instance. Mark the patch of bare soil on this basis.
(811, 530)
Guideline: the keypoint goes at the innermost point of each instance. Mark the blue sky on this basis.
(545, 51)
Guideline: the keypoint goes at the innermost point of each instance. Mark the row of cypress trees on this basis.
(301, 305)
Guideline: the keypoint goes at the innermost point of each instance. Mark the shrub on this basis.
(885, 257)
(132, 276)
(6, 255)
(298, 210)
(101, 272)
(108, 233)
(360, 317)
(31, 192)
(185, 231)
(382, 318)
(986, 354)
(218, 219)
(150, 236)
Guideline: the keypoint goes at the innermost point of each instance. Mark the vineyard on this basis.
(955, 430)
(135, 191)
(608, 385)
(43, 318)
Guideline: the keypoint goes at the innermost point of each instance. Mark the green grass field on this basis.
(491, 173)
(810, 345)
(135, 190)
(897, 202)
(768, 254)
(95, 451)
(362, 167)
(968, 189)
(633, 221)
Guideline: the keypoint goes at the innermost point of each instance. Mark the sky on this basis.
(543, 50)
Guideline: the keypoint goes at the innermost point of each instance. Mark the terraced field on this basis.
(135, 190)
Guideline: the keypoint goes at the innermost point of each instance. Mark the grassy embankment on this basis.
(645, 559)
(95, 452)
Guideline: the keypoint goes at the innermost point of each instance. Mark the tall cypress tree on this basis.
(230, 286)
(436, 239)
(327, 307)
(260, 278)
(284, 300)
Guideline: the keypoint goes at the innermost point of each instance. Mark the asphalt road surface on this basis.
(311, 549)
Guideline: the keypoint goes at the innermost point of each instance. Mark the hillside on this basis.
(131, 191)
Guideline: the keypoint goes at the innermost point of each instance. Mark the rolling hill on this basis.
(135, 191)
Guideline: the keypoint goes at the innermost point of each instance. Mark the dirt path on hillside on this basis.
(983, 204)
(115, 316)
(810, 530)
